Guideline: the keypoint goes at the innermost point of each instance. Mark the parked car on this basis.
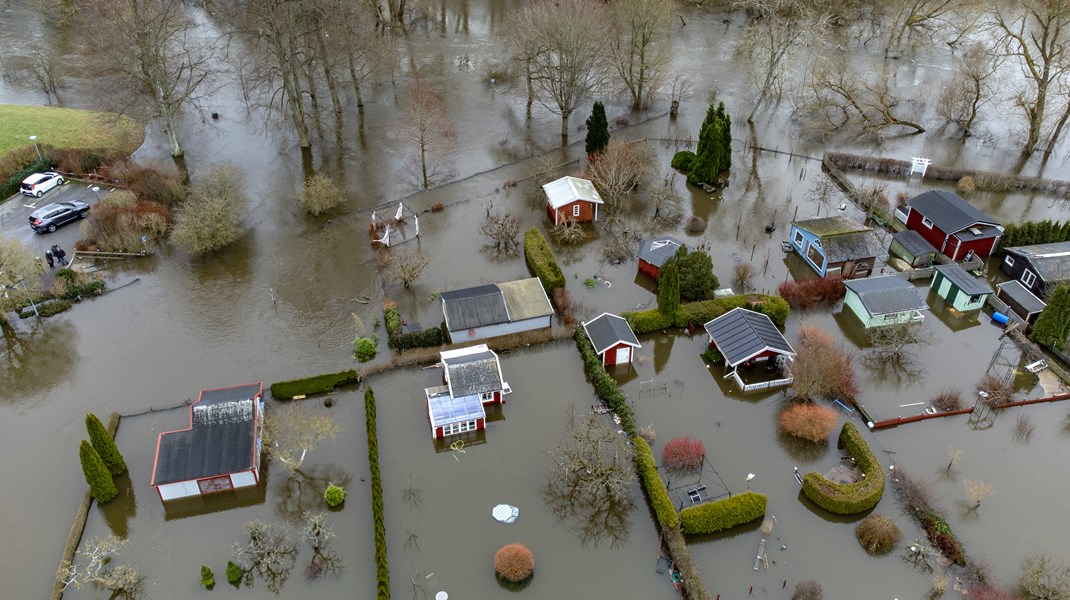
(49, 217)
(37, 184)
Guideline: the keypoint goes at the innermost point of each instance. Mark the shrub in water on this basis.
(808, 590)
(947, 399)
(96, 474)
(812, 422)
(810, 293)
(104, 444)
(207, 577)
(878, 534)
(334, 495)
(514, 563)
(364, 349)
(683, 455)
(681, 161)
(234, 572)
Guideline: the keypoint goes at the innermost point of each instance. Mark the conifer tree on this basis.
(669, 288)
(96, 474)
(104, 445)
(1053, 325)
(597, 131)
(714, 153)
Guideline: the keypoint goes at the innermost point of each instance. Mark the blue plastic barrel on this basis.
(1000, 318)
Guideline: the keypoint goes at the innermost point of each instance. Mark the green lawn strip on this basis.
(68, 128)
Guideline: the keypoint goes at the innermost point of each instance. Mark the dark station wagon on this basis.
(49, 217)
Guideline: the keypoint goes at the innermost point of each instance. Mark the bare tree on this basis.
(502, 228)
(743, 275)
(970, 88)
(321, 194)
(823, 368)
(291, 432)
(270, 552)
(666, 201)
(845, 99)
(211, 217)
(42, 68)
(406, 266)
(19, 269)
(426, 128)
(640, 46)
(569, 233)
(895, 342)
(147, 57)
(563, 47)
(913, 19)
(976, 492)
(1045, 579)
(1036, 35)
(954, 455)
(617, 173)
(94, 565)
(777, 30)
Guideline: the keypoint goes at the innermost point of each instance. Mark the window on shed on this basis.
(1009, 261)
(976, 298)
(575, 210)
(927, 223)
(798, 238)
(1028, 278)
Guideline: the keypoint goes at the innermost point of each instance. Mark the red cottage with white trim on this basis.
(952, 225)
(571, 199)
(612, 338)
(473, 380)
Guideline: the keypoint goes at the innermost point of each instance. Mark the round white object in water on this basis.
(442, 596)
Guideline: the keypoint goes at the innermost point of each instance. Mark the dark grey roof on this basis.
(969, 284)
(1051, 262)
(741, 334)
(913, 243)
(660, 249)
(947, 211)
(474, 307)
(887, 294)
(220, 439)
(606, 331)
(473, 373)
(1021, 296)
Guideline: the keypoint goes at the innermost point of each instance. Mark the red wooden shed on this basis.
(952, 225)
(612, 338)
(571, 199)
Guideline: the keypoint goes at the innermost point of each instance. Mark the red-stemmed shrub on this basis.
(564, 303)
(683, 455)
(808, 421)
(514, 563)
(810, 293)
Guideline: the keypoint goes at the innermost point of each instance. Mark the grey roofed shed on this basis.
(474, 373)
(1021, 296)
(660, 249)
(606, 331)
(1050, 261)
(740, 334)
(886, 295)
(974, 286)
(948, 211)
(913, 243)
(474, 307)
(219, 441)
(843, 239)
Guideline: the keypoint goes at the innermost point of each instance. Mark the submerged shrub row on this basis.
(698, 313)
(540, 259)
(711, 517)
(604, 385)
(655, 489)
(849, 498)
(382, 569)
(318, 384)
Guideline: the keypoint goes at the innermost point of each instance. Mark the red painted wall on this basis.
(565, 212)
(934, 236)
(648, 269)
(609, 357)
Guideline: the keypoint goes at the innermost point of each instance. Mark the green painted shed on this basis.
(962, 291)
(885, 300)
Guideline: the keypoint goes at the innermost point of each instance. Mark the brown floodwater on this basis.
(278, 305)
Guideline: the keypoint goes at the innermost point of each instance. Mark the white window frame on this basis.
(799, 239)
(926, 223)
(486, 396)
(460, 427)
(1009, 260)
(1028, 278)
(575, 210)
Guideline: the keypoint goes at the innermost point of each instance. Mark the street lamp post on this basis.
(96, 190)
(33, 138)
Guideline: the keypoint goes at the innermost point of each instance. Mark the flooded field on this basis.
(278, 305)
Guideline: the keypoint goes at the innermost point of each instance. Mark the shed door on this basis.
(624, 355)
(215, 484)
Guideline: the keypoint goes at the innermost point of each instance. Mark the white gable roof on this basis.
(570, 189)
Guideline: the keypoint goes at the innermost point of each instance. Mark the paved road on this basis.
(15, 217)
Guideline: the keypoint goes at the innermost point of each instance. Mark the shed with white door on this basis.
(612, 338)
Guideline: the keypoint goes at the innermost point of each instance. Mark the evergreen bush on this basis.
(712, 517)
(234, 572)
(697, 281)
(392, 320)
(713, 155)
(1053, 325)
(334, 495)
(541, 261)
(382, 568)
(605, 386)
(207, 577)
(424, 338)
(656, 491)
(283, 390)
(11, 185)
(104, 444)
(96, 473)
(597, 131)
(669, 289)
(699, 313)
(849, 498)
(681, 161)
(364, 349)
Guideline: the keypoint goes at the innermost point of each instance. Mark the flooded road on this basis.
(278, 305)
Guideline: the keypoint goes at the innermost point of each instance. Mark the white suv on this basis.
(37, 184)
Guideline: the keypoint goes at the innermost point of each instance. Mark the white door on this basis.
(624, 355)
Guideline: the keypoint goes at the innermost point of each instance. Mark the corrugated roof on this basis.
(569, 189)
(1051, 262)
(473, 373)
(474, 307)
(948, 211)
(913, 243)
(606, 331)
(219, 441)
(1021, 296)
(741, 334)
(969, 284)
(887, 294)
(660, 249)
(831, 225)
(525, 299)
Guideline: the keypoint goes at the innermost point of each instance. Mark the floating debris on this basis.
(505, 513)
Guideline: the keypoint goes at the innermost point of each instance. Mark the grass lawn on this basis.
(67, 128)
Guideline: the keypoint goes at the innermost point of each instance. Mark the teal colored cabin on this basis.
(962, 291)
(886, 300)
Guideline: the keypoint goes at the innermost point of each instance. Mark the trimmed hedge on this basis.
(849, 498)
(382, 569)
(399, 341)
(11, 185)
(605, 387)
(47, 309)
(392, 319)
(655, 488)
(284, 390)
(712, 517)
(681, 161)
(702, 312)
(540, 259)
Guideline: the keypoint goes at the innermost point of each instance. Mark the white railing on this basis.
(750, 387)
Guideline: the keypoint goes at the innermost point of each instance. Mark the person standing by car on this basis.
(59, 254)
(51, 259)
